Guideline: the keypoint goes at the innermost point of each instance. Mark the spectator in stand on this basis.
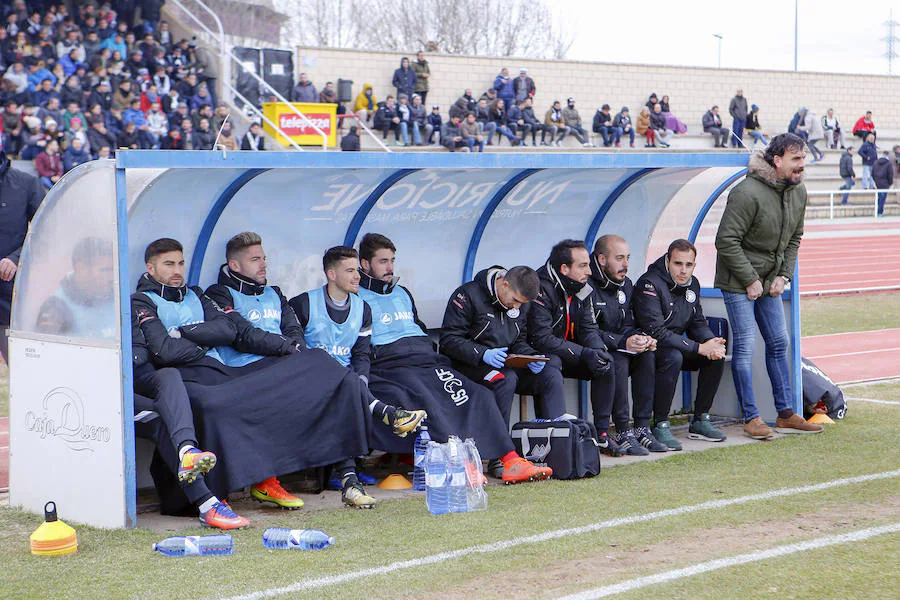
(204, 137)
(498, 116)
(52, 132)
(816, 133)
(163, 35)
(350, 142)
(404, 78)
(253, 139)
(129, 137)
(572, 120)
(603, 125)
(555, 124)
(77, 132)
(17, 74)
(531, 120)
(48, 164)
(642, 126)
(75, 155)
(329, 96)
(304, 91)
(187, 135)
(403, 116)
(34, 140)
(833, 134)
(471, 132)
(672, 121)
(219, 116)
(752, 126)
(896, 157)
(515, 121)
(738, 111)
(386, 119)
(136, 116)
(149, 96)
(459, 109)
(423, 73)
(366, 104)
(883, 174)
(50, 111)
(471, 102)
(712, 124)
(869, 154)
(13, 140)
(483, 118)
(865, 126)
(798, 125)
(622, 124)
(503, 87)
(99, 136)
(72, 92)
(658, 125)
(418, 120)
(227, 139)
(172, 141)
(157, 124)
(44, 92)
(523, 85)
(847, 173)
(489, 96)
(452, 139)
(101, 95)
(201, 98)
(652, 101)
(435, 124)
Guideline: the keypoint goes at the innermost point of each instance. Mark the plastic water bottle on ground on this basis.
(196, 545)
(476, 494)
(457, 467)
(282, 538)
(436, 480)
(419, 451)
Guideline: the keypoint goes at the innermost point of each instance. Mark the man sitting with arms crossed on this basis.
(484, 320)
(632, 350)
(406, 369)
(255, 417)
(264, 320)
(667, 306)
(561, 323)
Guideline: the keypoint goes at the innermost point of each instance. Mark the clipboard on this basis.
(518, 361)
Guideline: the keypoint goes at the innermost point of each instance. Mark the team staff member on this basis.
(264, 321)
(667, 306)
(632, 350)
(757, 244)
(561, 323)
(485, 320)
(406, 369)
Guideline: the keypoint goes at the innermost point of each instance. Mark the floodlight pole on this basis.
(796, 30)
(718, 36)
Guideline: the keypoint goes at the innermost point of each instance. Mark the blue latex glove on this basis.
(536, 367)
(495, 357)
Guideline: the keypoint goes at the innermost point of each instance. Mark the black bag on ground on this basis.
(570, 448)
(818, 387)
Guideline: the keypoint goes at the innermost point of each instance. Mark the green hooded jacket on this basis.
(760, 231)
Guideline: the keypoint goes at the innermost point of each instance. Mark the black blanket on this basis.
(410, 374)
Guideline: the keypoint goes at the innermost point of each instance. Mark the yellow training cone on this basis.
(821, 419)
(53, 537)
(395, 482)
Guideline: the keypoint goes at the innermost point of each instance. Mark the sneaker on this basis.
(796, 424)
(521, 470)
(195, 463)
(270, 490)
(365, 478)
(663, 433)
(645, 438)
(495, 468)
(354, 495)
(758, 430)
(619, 144)
(474, 476)
(629, 444)
(608, 446)
(702, 429)
(221, 516)
(398, 143)
(405, 421)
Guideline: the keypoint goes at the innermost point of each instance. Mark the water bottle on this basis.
(419, 451)
(195, 545)
(282, 538)
(457, 467)
(436, 488)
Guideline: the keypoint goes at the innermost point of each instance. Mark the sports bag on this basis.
(569, 447)
(819, 391)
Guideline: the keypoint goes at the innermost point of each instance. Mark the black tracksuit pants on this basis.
(670, 362)
(640, 368)
(601, 393)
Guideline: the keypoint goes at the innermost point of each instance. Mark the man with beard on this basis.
(561, 323)
(631, 349)
(757, 244)
(667, 306)
(265, 322)
(407, 370)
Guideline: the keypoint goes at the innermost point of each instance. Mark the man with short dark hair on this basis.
(864, 126)
(883, 174)
(603, 125)
(667, 307)
(452, 137)
(561, 323)
(423, 74)
(847, 173)
(623, 126)
(757, 245)
(737, 108)
(350, 142)
(712, 124)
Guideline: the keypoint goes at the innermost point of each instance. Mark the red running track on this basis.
(849, 264)
(858, 356)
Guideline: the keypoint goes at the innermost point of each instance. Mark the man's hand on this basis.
(638, 343)
(754, 290)
(777, 287)
(7, 269)
(536, 367)
(713, 349)
(495, 357)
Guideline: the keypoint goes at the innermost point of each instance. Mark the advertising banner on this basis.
(301, 129)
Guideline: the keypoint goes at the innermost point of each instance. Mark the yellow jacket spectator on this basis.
(366, 103)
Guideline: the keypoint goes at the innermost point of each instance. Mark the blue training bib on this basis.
(337, 339)
(262, 311)
(177, 314)
(392, 316)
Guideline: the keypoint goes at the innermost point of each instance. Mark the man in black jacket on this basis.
(561, 323)
(485, 320)
(847, 173)
(667, 306)
(631, 349)
(603, 125)
(883, 174)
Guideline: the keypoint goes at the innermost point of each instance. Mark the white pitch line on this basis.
(874, 401)
(319, 582)
(854, 353)
(740, 559)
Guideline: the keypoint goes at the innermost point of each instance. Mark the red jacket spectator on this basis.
(47, 165)
(863, 125)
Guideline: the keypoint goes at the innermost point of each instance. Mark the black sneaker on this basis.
(495, 468)
(629, 444)
(645, 438)
(608, 445)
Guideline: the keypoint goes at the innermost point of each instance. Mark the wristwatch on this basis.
(786, 278)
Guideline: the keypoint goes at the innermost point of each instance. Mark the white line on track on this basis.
(308, 584)
(887, 332)
(731, 561)
(854, 353)
(874, 401)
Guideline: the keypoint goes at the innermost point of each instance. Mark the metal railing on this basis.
(227, 55)
(365, 128)
(832, 193)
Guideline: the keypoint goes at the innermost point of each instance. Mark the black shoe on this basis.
(645, 438)
(608, 445)
(629, 444)
(495, 468)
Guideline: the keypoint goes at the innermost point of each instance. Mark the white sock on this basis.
(208, 504)
(183, 450)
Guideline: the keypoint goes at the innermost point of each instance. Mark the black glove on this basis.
(596, 361)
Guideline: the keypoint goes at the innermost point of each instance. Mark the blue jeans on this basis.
(621, 131)
(867, 183)
(611, 135)
(417, 133)
(882, 197)
(744, 315)
(848, 183)
(757, 137)
(404, 132)
(737, 126)
(46, 183)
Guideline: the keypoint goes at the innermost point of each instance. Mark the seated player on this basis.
(485, 320)
(270, 416)
(265, 322)
(631, 349)
(667, 307)
(561, 323)
(406, 369)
